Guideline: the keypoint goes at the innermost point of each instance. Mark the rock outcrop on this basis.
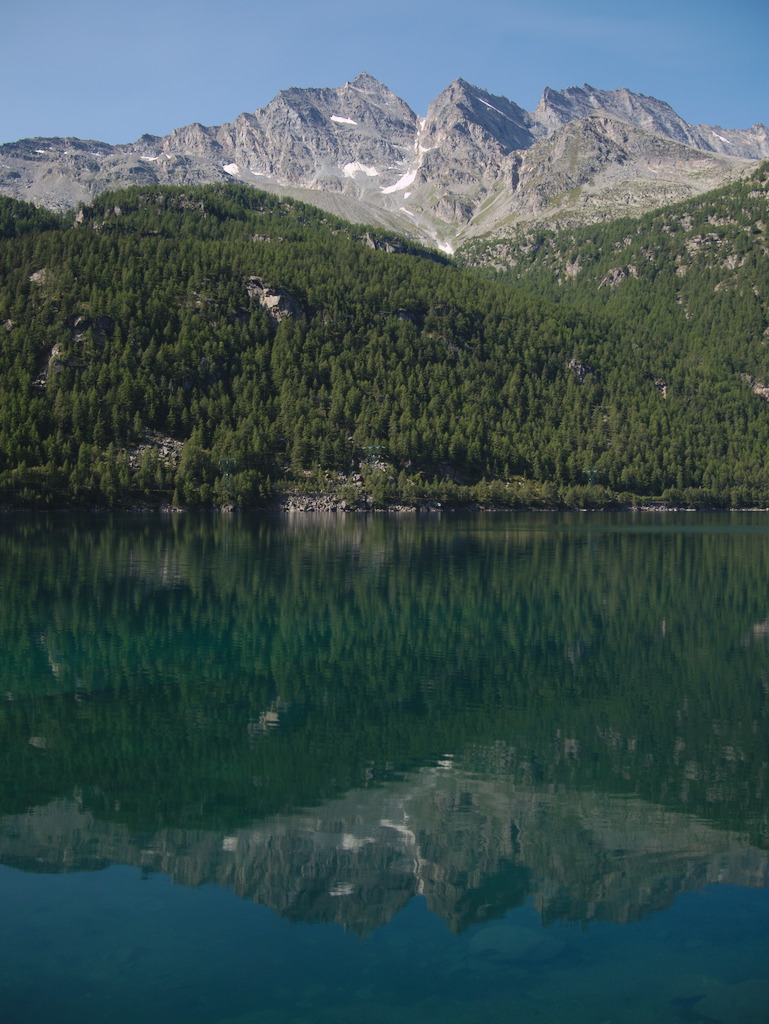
(280, 304)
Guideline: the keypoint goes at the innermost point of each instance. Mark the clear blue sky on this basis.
(102, 70)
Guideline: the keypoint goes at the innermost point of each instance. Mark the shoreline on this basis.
(296, 503)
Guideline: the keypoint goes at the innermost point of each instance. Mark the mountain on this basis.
(475, 164)
(556, 109)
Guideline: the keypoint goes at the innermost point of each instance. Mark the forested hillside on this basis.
(686, 294)
(209, 345)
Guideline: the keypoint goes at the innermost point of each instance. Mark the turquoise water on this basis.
(370, 769)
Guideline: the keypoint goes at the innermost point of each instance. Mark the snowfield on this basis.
(350, 170)
(404, 182)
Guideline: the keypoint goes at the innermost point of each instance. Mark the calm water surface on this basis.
(370, 770)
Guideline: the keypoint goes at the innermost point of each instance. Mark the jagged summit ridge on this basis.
(475, 163)
(556, 109)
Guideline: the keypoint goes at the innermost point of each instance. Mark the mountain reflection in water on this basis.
(475, 848)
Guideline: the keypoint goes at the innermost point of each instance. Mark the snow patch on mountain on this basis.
(404, 182)
(350, 170)
(342, 120)
(495, 109)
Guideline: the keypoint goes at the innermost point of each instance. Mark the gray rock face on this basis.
(556, 109)
(463, 149)
(600, 166)
(476, 164)
(279, 304)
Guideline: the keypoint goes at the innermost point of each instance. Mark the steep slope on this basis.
(332, 138)
(688, 283)
(718, 240)
(598, 168)
(463, 151)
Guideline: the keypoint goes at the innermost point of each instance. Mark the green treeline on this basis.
(214, 344)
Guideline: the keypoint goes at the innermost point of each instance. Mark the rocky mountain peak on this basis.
(490, 119)
(362, 102)
(367, 83)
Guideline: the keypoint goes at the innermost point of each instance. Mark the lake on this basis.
(369, 769)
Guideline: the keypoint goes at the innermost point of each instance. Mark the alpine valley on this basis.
(261, 312)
